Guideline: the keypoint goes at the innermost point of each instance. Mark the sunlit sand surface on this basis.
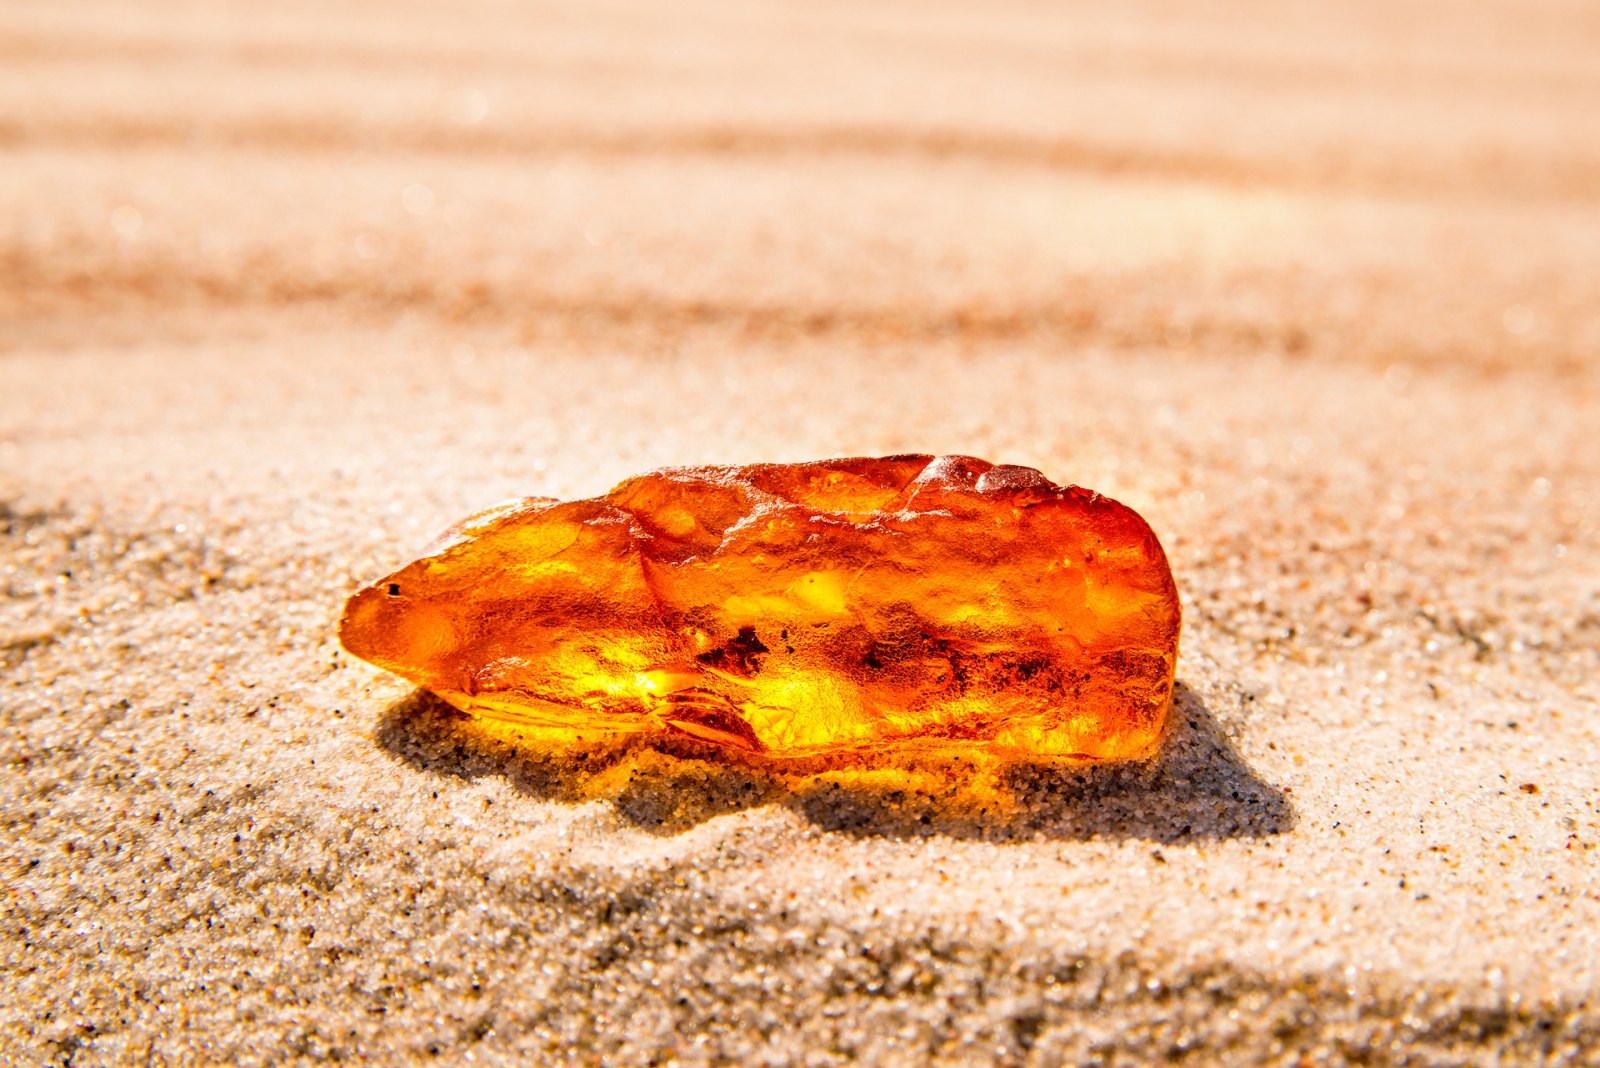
(285, 289)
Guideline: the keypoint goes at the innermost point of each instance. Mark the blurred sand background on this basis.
(285, 288)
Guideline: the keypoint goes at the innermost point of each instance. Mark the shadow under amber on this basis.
(1197, 787)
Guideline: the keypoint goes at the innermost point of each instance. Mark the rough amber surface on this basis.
(797, 610)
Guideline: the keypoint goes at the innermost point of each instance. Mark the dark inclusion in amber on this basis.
(832, 609)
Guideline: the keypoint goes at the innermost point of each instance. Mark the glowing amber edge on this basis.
(518, 721)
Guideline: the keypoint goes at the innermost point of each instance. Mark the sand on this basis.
(284, 291)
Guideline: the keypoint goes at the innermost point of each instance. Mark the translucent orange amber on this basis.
(799, 610)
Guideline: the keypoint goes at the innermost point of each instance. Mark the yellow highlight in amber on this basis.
(843, 608)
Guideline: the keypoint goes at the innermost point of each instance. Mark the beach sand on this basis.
(285, 290)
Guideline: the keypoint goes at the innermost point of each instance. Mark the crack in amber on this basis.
(842, 608)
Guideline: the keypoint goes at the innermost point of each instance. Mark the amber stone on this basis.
(838, 608)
